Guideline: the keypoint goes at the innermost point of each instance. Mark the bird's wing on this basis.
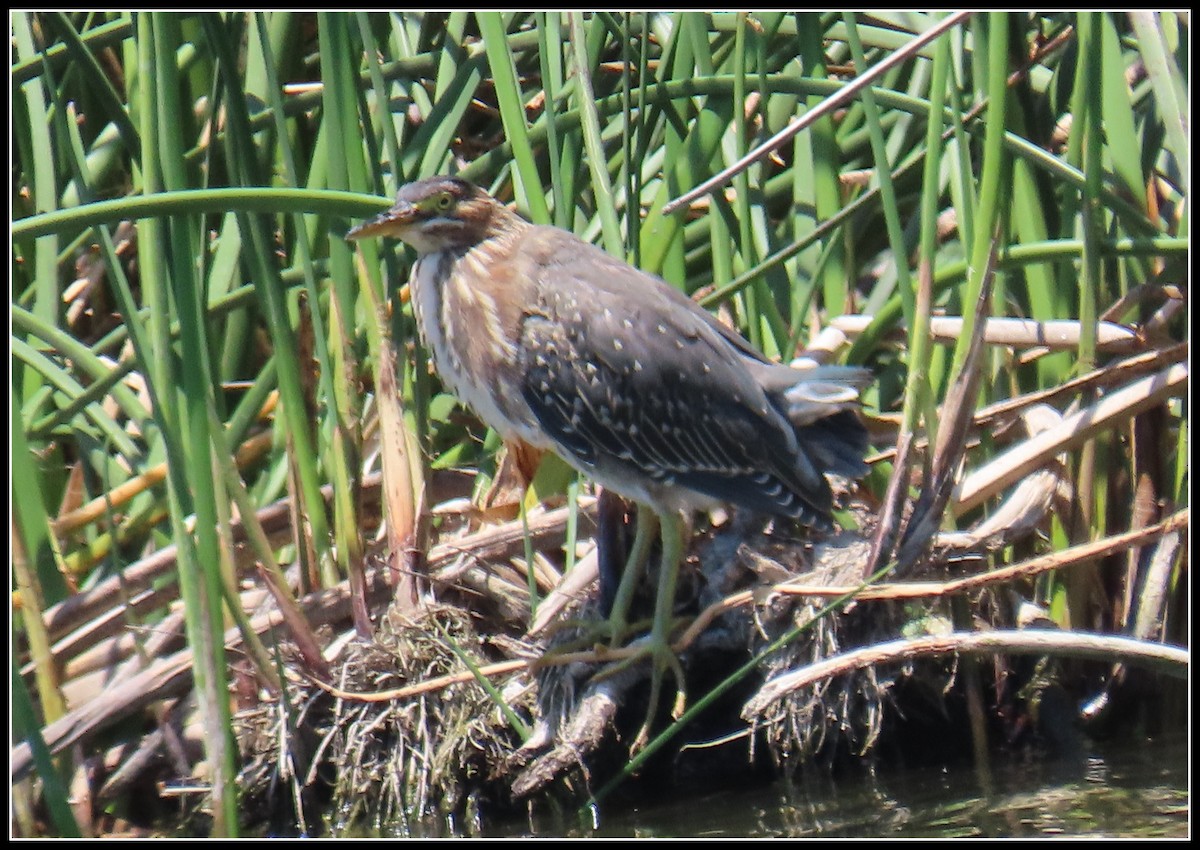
(620, 371)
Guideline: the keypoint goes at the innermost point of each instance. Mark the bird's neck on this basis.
(502, 228)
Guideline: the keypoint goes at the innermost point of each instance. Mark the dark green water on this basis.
(1108, 791)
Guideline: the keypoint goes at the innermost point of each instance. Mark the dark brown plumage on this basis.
(556, 343)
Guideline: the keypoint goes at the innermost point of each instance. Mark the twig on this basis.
(1110, 375)
(423, 687)
(1017, 333)
(1081, 554)
(1035, 452)
(826, 106)
(1171, 660)
(249, 452)
(951, 439)
(165, 677)
(490, 671)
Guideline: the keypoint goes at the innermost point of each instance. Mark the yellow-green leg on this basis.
(639, 553)
(658, 645)
(616, 628)
(659, 648)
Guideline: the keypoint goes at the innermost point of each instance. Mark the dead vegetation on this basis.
(400, 733)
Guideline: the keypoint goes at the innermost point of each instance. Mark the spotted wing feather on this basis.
(637, 383)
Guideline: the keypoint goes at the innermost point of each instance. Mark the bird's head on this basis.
(439, 214)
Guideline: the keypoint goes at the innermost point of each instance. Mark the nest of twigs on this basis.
(844, 711)
(382, 763)
(407, 739)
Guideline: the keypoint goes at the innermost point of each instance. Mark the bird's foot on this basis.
(603, 635)
(662, 658)
(658, 650)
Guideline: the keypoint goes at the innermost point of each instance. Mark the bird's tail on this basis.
(836, 443)
(817, 391)
(822, 402)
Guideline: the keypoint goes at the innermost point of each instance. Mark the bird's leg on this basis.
(615, 628)
(659, 648)
(658, 644)
(643, 536)
(661, 656)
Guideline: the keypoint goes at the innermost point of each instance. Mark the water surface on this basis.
(1107, 791)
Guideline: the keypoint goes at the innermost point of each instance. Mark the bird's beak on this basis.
(389, 223)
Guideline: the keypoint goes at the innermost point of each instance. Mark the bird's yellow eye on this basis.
(444, 201)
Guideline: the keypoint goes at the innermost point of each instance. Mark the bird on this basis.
(554, 342)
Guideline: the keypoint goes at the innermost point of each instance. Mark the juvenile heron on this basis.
(554, 342)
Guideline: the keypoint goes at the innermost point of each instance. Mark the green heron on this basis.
(556, 343)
